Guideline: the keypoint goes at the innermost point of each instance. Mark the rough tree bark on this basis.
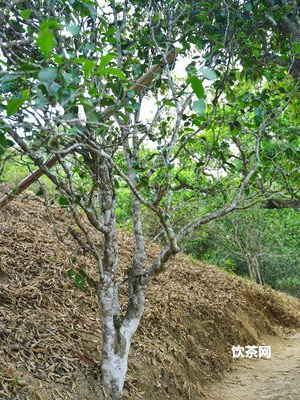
(282, 203)
(117, 333)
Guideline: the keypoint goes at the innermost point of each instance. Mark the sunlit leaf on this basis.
(73, 29)
(199, 106)
(256, 52)
(26, 14)
(113, 71)
(104, 60)
(208, 73)
(197, 86)
(46, 41)
(13, 106)
(88, 67)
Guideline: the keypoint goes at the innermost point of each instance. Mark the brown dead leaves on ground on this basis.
(50, 336)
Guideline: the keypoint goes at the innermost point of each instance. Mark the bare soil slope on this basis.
(49, 329)
(276, 378)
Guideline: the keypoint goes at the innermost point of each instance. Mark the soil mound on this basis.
(49, 329)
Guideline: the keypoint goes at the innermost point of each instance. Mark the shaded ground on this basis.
(276, 378)
(50, 338)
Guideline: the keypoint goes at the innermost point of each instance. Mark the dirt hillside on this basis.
(275, 378)
(49, 329)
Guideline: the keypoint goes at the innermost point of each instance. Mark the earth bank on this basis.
(49, 329)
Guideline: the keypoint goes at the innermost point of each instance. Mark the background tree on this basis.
(259, 243)
(77, 87)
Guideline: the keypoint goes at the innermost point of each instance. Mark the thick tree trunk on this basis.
(117, 331)
(116, 340)
(114, 350)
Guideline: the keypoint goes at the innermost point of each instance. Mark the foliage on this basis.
(270, 236)
(220, 136)
(15, 167)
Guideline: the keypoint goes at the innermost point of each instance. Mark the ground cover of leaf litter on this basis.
(50, 338)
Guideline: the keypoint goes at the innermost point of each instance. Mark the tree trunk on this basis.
(114, 361)
(258, 272)
(116, 341)
(251, 270)
(254, 270)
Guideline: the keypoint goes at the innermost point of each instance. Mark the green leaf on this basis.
(248, 6)
(70, 77)
(208, 73)
(199, 106)
(258, 116)
(26, 14)
(62, 201)
(104, 60)
(13, 106)
(254, 176)
(73, 29)
(46, 41)
(117, 184)
(4, 143)
(9, 82)
(79, 281)
(25, 94)
(87, 67)
(82, 273)
(53, 89)
(270, 18)
(296, 47)
(41, 100)
(47, 75)
(59, 58)
(256, 52)
(197, 86)
(50, 23)
(143, 182)
(169, 103)
(290, 153)
(131, 94)
(113, 71)
(70, 273)
(90, 281)
(268, 75)
(258, 112)
(117, 88)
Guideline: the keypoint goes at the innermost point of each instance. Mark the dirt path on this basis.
(277, 378)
